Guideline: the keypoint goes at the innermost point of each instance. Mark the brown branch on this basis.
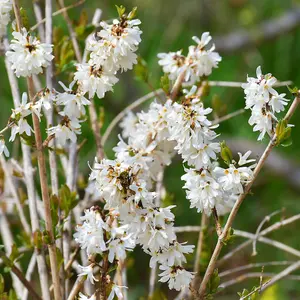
(20, 275)
(219, 246)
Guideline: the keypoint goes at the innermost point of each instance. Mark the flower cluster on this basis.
(73, 103)
(112, 49)
(264, 102)
(5, 8)
(199, 61)
(27, 54)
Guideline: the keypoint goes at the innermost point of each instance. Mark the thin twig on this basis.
(219, 246)
(204, 222)
(235, 84)
(20, 275)
(123, 113)
(56, 13)
(29, 182)
(15, 195)
(229, 116)
(71, 31)
(39, 17)
(159, 188)
(282, 275)
(29, 272)
(254, 265)
(266, 219)
(45, 194)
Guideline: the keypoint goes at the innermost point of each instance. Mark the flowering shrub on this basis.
(122, 207)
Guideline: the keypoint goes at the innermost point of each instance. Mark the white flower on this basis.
(27, 54)
(124, 35)
(89, 235)
(176, 276)
(46, 100)
(172, 255)
(89, 272)
(5, 8)
(203, 190)
(128, 124)
(244, 158)
(264, 102)
(74, 102)
(202, 60)
(3, 148)
(173, 63)
(116, 291)
(18, 117)
(84, 297)
(94, 81)
(278, 102)
(117, 248)
(66, 130)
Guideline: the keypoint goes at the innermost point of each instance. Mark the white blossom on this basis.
(89, 272)
(5, 9)
(94, 80)
(3, 148)
(74, 102)
(84, 297)
(27, 54)
(264, 102)
(116, 291)
(89, 235)
(176, 276)
(66, 130)
(18, 118)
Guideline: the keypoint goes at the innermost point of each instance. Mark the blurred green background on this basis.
(168, 26)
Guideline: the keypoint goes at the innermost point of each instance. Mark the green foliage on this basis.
(132, 14)
(283, 134)
(228, 239)
(165, 83)
(121, 10)
(38, 239)
(213, 285)
(253, 294)
(15, 255)
(1, 285)
(83, 28)
(24, 18)
(67, 199)
(63, 51)
(226, 153)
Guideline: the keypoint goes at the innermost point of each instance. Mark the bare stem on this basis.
(56, 13)
(20, 275)
(219, 246)
(71, 31)
(29, 182)
(45, 194)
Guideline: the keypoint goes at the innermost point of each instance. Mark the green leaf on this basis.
(121, 10)
(226, 153)
(141, 71)
(54, 205)
(38, 239)
(24, 18)
(15, 255)
(213, 284)
(165, 83)
(229, 236)
(12, 295)
(28, 139)
(60, 258)
(67, 199)
(283, 133)
(70, 66)
(132, 14)
(293, 91)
